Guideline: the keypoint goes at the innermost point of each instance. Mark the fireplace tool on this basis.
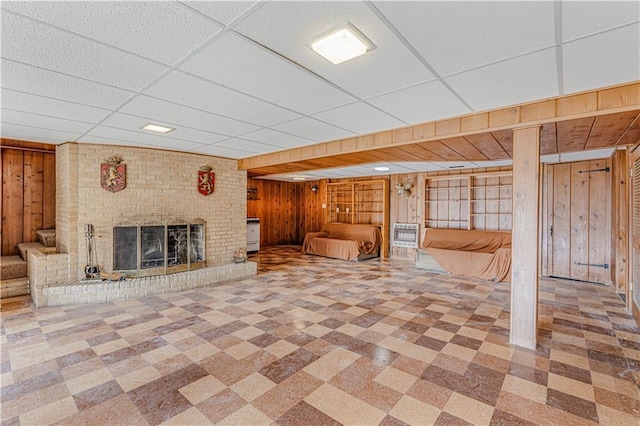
(91, 271)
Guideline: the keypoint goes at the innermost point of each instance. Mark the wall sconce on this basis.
(314, 188)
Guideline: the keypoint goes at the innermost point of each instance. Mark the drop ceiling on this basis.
(238, 79)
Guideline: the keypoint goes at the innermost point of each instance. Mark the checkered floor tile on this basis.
(313, 341)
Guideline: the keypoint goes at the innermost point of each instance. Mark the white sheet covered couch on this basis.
(344, 241)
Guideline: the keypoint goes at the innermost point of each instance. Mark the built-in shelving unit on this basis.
(364, 202)
(470, 201)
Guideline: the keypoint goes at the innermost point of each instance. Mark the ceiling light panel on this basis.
(424, 102)
(483, 32)
(157, 128)
(197, 93)
(304, 20)
(154, 30)
(146, 138)
(514, 81)
(145, 106)
(237, 63)
(132, 123)
(341, 43)
(28, 79)
(40, 45)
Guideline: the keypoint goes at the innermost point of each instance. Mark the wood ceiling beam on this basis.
(500, 123)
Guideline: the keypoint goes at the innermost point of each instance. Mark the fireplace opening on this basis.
(155, 247)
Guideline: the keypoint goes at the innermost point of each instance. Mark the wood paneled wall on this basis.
(28, 191)
(411, 209)
(620, 220)
(287, 210)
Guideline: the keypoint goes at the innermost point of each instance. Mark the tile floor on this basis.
(314, 341)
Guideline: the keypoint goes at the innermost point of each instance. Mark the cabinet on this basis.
(470, 201)
(364, 202)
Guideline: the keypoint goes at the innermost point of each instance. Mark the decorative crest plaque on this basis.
(113, 175)
(206, 180)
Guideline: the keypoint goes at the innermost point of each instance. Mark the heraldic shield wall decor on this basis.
(113, 175)
(206, 180)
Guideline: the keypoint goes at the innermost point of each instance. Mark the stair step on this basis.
(24, 247)
(12, 267)
(47, 237)
(14, 287)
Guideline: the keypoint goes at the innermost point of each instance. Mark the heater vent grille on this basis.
(405, 235)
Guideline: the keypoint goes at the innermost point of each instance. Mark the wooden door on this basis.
(579, 199)
(28, 192)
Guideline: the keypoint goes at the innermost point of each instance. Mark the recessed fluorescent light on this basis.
(341, 43)
(157, 128)
(381, 169)
(299, 178)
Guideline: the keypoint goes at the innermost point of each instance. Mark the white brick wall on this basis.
(160, 184)
(91, 292)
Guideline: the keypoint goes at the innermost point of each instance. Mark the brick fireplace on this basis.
(159, 185)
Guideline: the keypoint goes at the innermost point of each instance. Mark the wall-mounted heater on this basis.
(406, 235)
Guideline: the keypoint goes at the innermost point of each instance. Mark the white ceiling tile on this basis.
(452, 165)
(53, 107)
(581, 18)
(222, 11)
(221, 151)
(15, 131)
(602, 60)
(424, 102)
(453, 36)
(499, 163)
(593, 154)
(550, 158)
(101, 140)
(568, 157)
(25, 78)
(152, 108)
(273, 137)
(419, 166)
(388, 67)
(359, 118)
(44, 122)
(248, 146)
(514, 81)
(234, 62)
(134, 123)
(36, 44)
(164, 142)
(197, 93)
(154, 30)
(312, 129)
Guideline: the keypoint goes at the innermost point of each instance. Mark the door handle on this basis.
(551, 230)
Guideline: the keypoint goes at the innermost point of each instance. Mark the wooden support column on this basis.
(526, 206)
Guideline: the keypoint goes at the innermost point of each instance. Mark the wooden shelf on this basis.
(370, 195)
(442, 204)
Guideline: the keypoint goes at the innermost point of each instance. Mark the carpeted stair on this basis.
(13, 269)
